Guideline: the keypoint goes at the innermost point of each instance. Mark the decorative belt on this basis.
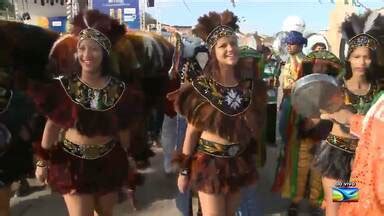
(345, 144)
(219, 150)
(88, 152)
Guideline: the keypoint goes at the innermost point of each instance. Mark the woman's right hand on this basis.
(342, 116)
(41, 174)
(183, 183)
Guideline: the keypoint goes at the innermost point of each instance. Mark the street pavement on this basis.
(155, 197)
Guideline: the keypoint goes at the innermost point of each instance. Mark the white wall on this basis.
(36, 10)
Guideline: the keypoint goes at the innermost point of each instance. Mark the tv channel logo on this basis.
(345, 194)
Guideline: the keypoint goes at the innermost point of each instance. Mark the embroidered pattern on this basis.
(233, 99)
(360, 103)
(229, 100)
(88, 152)
(362, 40)
(220, 150)
(217, 33)
(190, 70)
(92, 98)
(96, 35)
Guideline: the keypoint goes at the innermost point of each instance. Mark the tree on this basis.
(5, 4)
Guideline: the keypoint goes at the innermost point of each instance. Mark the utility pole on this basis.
(83, 4)
(142, 5)
(72, 8)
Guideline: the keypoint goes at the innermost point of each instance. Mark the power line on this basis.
(186, 6)
(248, 2)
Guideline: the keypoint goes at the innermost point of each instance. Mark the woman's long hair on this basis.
(212, 66)
(372, 73)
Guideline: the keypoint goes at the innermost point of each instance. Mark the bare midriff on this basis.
(214, 138)
(338, 131)
(74, 136)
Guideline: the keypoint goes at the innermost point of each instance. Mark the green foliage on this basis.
(4, 4)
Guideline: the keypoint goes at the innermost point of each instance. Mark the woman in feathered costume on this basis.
(18, 129)
(139, 59)
(90, 114)
(336, 153)
(225, 117)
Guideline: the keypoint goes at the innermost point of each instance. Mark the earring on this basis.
(75, 56)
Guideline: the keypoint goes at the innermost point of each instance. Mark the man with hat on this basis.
(288, 181)
(290, 73)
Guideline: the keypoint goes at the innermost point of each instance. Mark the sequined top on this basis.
(368, 165)
(360, 103)
(230, 101)
(70, 103)
(190, 70)
(97, 99)
(235, 113)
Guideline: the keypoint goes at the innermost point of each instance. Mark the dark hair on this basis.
(212, 66)
(318, 44)
(371, 74)
(244, 72)
(106, 64)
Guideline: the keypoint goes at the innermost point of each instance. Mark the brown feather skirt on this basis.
(219, 175)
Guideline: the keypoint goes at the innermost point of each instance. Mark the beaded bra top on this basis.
(231, 101)
(360, 103)
(190, 70)
(95, 99)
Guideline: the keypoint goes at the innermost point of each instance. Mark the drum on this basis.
(315, 94)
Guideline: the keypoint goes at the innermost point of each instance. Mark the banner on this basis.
(58, 24)
(126, 11)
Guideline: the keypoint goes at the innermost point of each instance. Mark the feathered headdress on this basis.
(110, 28)
(332, 64)
(366, 30)
(90, 24)
(215, 25)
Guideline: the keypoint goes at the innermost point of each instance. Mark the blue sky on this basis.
(263, 16)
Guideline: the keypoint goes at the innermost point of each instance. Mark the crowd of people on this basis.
(80, 123)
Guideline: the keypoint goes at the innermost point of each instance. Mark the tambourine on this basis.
(315, 94)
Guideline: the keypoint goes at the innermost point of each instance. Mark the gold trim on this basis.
(344, 144)
(76, 102)
(88, 151)
(232, 115)
(230, 150)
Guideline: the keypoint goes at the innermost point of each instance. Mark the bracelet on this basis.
(41, 163)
